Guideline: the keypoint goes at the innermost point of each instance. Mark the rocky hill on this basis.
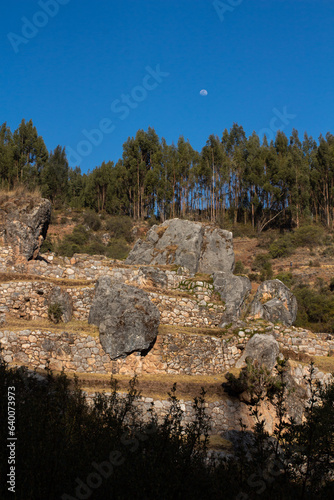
(174, 321)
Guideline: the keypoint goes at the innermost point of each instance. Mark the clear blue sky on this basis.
(71, 72)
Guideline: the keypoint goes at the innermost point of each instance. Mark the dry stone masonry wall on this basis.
(173, 352)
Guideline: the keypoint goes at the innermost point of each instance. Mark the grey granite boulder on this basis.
(234, 291)
(217, 251)
(59, 296)
(24, 224)
(189, 244)
(128, 321)
(261, 348)
(274, 302)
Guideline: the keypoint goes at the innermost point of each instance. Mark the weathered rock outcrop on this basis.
(128, 321)
(152, 276)
(274, 302)
(234, 291)
(261, 348)
(24, 224)
(58, 296)
(188, 244)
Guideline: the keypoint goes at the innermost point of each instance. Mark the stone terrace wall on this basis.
(29, 299)
(173, 352)
(225, 413)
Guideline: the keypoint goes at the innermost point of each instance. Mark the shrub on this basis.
(282, 247)
(315, 309)
(255, 380)
(328, 252)
(62, 435)
(96, 247)
(308, 236)
(239, 268)
(331, 285)
(254, 277)
(286, 278)
(92, 220)
(55, 312)
(262, 263)
(117, 249)
(120, 227)
(47, 245)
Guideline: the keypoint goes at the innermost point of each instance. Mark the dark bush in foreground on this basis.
(62, 442)
(67, 449)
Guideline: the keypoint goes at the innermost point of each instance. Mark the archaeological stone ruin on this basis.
(174, 307)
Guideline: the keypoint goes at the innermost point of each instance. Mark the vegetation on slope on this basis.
(67, 448)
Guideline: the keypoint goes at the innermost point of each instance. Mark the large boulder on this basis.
(24, 224)
(64, 300)
(234, 291)
(261, 348)
(274, 302)
(128, 321)
(185, 243)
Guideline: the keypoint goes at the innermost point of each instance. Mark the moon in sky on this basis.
(204, 92)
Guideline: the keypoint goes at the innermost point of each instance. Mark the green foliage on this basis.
(308, 236)
(239, 268)
(47, 245)
(55, 312)
(254, 277)
(315, 308)
(286, 278)
(120, 228)
(118, 249)
(255, 380)
(262, 263)
(92, 220)
(331, 285)
(328, 252)
(83, 241)
(297, 460)
(64, 440)
(282, 247)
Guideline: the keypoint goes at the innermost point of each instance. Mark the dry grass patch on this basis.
(73, 326)
(157, 386)
(21, 195)
(188, 330)
(6, 277)
(217, 443)
(324, 363)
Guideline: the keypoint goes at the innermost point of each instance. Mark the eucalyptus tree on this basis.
(299, 188)
(55, 177)
(6, 156)
(213, 163)
(234, 145)
(255, 175)
(325, 158)
(30, 154)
